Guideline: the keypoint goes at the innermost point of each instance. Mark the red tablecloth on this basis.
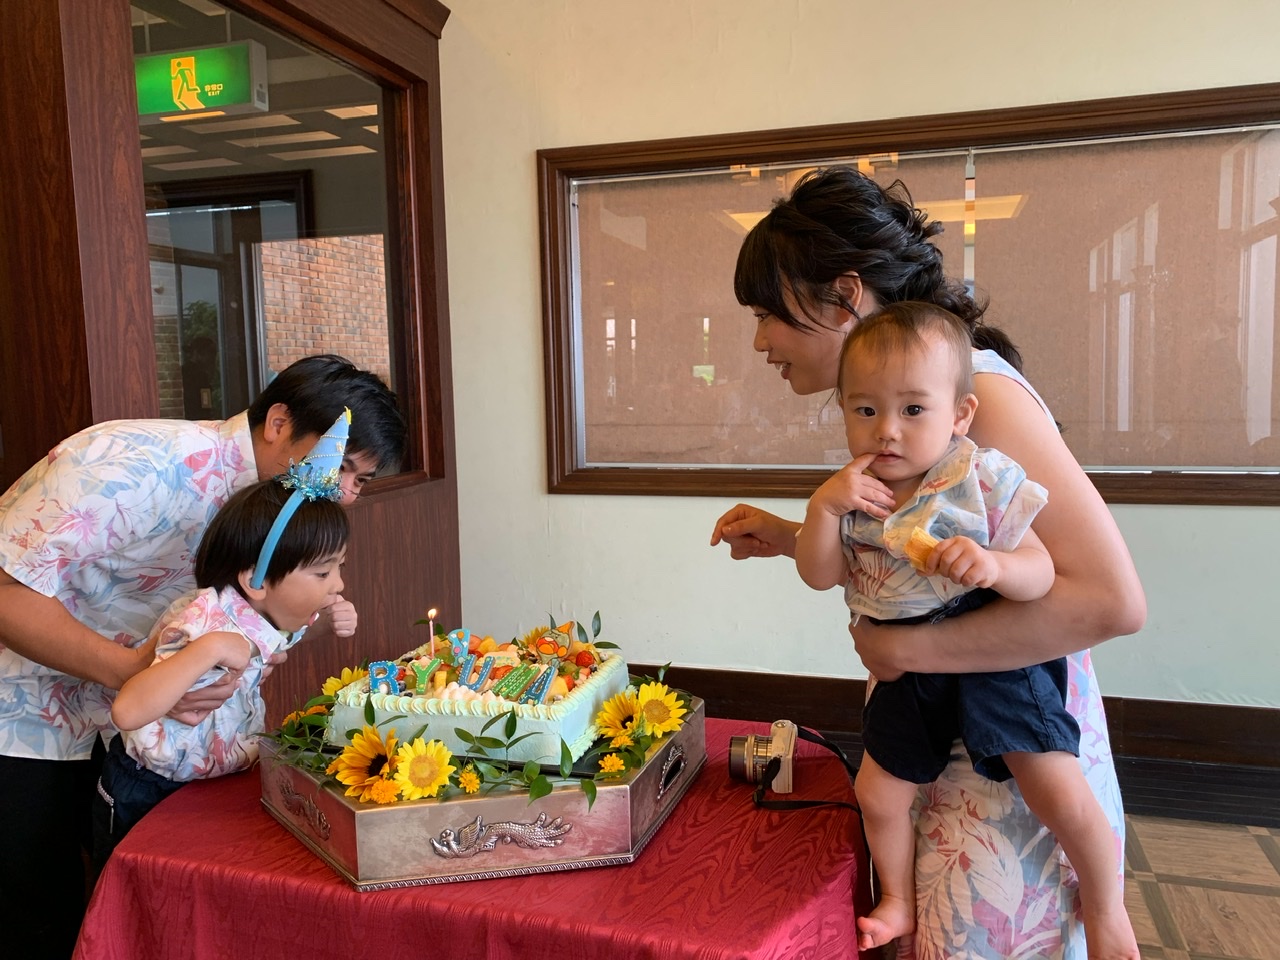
(209, 874)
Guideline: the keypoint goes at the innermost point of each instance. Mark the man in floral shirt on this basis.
(96, 541)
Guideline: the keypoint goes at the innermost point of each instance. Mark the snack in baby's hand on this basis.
(919, 547)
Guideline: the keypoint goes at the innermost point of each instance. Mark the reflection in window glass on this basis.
(266, 206)
(1137, 276)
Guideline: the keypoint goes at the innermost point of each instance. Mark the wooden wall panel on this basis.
(1148, 729)
(75, 310)
(44, 380)
(101, 101)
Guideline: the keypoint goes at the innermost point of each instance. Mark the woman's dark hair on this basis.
(315, 389)
(233, 540)
(839, 221)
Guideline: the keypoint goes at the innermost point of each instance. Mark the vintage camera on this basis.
(750, 755)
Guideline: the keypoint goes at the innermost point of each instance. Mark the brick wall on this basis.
(326, 295)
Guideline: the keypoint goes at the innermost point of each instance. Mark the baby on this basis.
(906, 391)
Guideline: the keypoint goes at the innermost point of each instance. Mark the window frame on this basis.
(1181, 111)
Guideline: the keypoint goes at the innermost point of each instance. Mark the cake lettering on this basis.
(384, 676)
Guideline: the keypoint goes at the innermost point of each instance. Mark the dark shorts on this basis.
(125, 792)
(909, 725)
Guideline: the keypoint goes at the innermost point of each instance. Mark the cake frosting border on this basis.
(608, 680)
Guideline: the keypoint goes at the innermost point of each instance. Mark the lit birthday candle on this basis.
(431, 627)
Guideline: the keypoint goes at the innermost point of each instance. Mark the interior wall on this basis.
(520, 77)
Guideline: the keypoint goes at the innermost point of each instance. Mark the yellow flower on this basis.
(334, 684)
(533, 636)
(469, 779)
(299, 714)
(384, 791)
(617, 715)
(423, 768)
(363, 764)
(621, 740)
(659, 709)
(611, 763)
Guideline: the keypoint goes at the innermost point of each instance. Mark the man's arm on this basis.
(153, 692)
(40, 628)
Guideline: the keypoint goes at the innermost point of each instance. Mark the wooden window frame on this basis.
(1081, 120)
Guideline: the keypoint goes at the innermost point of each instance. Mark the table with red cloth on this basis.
(210, 874)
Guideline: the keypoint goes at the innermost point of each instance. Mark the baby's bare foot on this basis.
(893, 917)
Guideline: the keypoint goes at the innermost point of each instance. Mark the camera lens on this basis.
(748, 757)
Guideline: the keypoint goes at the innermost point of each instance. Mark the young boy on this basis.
(906, 392)
(267, 565)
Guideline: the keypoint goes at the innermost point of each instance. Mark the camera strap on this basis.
(775, 764)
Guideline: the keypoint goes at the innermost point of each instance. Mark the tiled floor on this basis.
(1203, 891)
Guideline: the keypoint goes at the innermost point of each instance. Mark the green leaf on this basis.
(323, 700)
(419, 732)
(499, 718)
(595, 625)
(606, 645)
(370, 717)
(524, 736)
(489, 743)
(510, 728)
(566, 759)
(582, 633)
(540, 787)
(464, 735)
(488, 771)
(589, 788)
(551, 621)
(531, 771)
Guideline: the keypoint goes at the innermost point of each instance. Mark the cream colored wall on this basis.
(519, 75)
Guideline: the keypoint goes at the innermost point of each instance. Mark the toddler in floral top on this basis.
(268, 563)
(906, 390)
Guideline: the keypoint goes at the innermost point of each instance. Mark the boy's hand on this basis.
(850, 488)
(342, 617)
(963, 561)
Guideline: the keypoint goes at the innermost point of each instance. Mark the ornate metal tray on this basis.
(487, 835)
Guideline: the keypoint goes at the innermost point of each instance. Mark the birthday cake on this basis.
(554, 682)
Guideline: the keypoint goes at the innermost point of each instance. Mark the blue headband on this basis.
(317, 477)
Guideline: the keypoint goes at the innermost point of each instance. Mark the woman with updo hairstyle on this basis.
(991, 881)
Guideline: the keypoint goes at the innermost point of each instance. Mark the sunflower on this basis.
(618, 714)
(622, 740)
(365, 762)
(533, 636)
(423, 768)
(611, 763)
(297, 715)
(659, 709)
(469, 778)
(334, 684)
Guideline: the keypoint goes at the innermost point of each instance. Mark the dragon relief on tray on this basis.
(479, 837)
(303, 807)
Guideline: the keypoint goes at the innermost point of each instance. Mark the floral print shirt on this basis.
(992, 882)
(108, 525)
(976, 493)
(226, 740)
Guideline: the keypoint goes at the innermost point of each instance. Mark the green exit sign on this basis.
(227, 79)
